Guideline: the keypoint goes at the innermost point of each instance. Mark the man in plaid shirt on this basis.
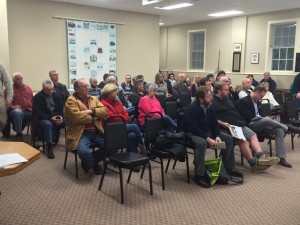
(21, 106)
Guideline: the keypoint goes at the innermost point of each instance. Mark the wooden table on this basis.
(25, 150)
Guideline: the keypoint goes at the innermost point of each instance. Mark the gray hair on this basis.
(47, 83)
(16, 74)
(110, 79)
(151, 87)
(51, 72)
(107, 89)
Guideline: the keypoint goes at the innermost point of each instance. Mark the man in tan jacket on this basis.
(84, 114)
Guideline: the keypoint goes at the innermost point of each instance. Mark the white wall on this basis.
(4, 50)
(38, 43)
(251, 31)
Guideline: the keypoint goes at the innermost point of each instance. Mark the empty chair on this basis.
(171, 109)
(128, 160)
(185, 99)
(161, 97)
(152, 127)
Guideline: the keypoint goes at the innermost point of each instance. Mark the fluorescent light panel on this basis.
(177, 6)
(226, 13)
(148, 2)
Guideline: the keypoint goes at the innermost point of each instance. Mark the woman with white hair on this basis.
(149, 103)
(115, 108)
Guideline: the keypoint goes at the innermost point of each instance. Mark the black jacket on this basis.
(39, 106)
(246, 108)
(196, 122)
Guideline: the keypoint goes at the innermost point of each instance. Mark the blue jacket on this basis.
(196, 122)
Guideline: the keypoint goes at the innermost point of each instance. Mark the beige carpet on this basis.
(45, 193)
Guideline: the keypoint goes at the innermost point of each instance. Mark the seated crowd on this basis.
(216, 105)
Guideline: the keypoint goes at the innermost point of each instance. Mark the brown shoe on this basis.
(284, 163)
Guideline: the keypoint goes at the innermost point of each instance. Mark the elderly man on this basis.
(246, 88)
(201, 121)
(250, 110)
(228, 115)
(180, 86)
(93, 89)
(47, 106)
(272, 83)
(59, 88)
(6, 95)
(85, 115)
(21, 107)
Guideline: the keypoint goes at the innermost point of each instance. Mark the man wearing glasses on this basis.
(249, 108)
(59, 88)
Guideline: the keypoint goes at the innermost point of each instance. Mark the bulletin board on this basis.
(91, 49)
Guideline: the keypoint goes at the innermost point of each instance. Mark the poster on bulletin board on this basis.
(91, 49)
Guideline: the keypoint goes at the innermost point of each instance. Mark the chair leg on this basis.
(150, 178)
(121, 185)
(187, 167)
(66, 157)
(129, 176)
(162, 173)
(167, 167)
(103, 174)
(216, 153)
(143, 170)
(174, 164)
(292, 139)
(271, 150)
(76, 165)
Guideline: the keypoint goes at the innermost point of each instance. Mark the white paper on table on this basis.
(8, 159)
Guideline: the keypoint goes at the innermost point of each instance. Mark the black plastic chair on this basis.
(128, 160)
(292, 116)
(278, 96)
(161, 97)
(266, 108)
(171, 109)
(152, 127)
(185, 99)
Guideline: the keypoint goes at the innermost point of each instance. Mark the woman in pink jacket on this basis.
(149, 103)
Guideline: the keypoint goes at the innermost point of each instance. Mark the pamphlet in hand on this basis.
(237, 132)
(219, 145)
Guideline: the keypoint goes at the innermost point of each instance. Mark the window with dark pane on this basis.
(196, 51)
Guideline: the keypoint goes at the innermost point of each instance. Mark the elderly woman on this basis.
(149, 103)
(115, 108)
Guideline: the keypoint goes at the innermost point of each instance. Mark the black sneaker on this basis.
(50, 153)
(235, 173)
(97, 169)
(202, 181)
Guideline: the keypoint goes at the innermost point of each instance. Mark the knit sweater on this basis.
(115, 108)
(147, 105)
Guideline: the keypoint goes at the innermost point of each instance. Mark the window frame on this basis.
(269, 47)
(189, 51)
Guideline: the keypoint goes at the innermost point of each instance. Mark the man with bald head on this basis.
(85, 115)
(246, 88)
(180, 86)
(94, 90)
(233, 94)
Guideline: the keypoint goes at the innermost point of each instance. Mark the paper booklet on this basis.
(8, 159)
(219, 145)
(237, 132)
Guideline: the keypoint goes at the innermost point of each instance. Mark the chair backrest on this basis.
(266, 107)
(161, 97)
(185, 99)
(279, 97)
(171, 109)
(291, 109)
(115, 135)
(152, 127)
(288, 96)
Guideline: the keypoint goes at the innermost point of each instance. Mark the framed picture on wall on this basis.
(236, 62)
(237, 47)
(254, 58)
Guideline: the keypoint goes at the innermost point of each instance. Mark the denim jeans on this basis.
(19, 119)
(47, 127)
(138, 137)
(84, 150)
(170, 124)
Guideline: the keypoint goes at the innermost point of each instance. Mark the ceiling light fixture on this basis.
(226, 13)
(148, 2)
(177, 6)
(161, 23)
